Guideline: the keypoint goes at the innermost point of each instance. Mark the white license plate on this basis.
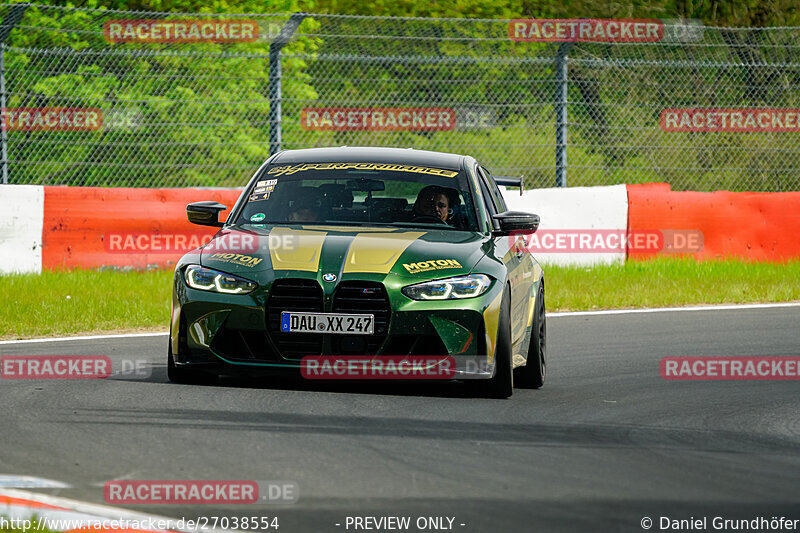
(337, 323)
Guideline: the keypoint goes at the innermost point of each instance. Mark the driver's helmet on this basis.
(426, 196)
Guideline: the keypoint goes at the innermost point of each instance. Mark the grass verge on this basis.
(668, 282)
(87, 301)
(84, 301)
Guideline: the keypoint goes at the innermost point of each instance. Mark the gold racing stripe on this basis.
(295, 249)
(537, 275)
(530, 312)
(491, 320)
(377, 253)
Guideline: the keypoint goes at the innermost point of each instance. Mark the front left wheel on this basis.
(501, 385)
(532, 375)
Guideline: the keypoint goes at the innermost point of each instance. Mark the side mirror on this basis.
(516, 222)
(205, 213)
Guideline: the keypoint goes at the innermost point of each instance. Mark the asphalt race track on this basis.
(605, 443)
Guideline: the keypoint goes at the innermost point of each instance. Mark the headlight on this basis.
(205, 279)
(450, 288)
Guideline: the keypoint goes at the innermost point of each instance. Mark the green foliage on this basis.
(742, 13)
(198, 114)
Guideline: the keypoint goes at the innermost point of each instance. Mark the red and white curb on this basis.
(33, 511)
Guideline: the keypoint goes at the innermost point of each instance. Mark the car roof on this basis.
(368, 154)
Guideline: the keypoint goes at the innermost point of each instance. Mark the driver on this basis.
(437, 202)
(305, 208)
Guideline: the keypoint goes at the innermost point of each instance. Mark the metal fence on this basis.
(207, 114)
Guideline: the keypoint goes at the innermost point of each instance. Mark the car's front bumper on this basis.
(236, 334)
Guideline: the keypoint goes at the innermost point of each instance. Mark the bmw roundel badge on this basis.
(329, 277)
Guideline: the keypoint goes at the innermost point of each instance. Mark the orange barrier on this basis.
(748, 225)
(90, 227)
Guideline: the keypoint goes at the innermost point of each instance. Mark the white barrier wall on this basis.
(569, 213)
(21, 216)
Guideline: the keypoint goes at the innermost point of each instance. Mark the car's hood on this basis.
(345, 251)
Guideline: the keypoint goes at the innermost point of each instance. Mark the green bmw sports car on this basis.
(373, 253)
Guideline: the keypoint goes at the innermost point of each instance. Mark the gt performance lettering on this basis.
(237, 259)
(288, 170)
(427, 266)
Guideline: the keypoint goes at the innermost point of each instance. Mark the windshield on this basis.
(360, 193)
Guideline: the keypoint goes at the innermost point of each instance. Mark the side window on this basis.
(481, 195)
(488, 197)
(497, 196)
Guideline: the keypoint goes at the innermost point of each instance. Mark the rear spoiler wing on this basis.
(509, 181)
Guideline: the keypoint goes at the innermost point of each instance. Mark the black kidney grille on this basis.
(294, 295)
(361, 297)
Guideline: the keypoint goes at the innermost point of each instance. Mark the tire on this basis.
(533, 374)
(501, 385)
(186, 376)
